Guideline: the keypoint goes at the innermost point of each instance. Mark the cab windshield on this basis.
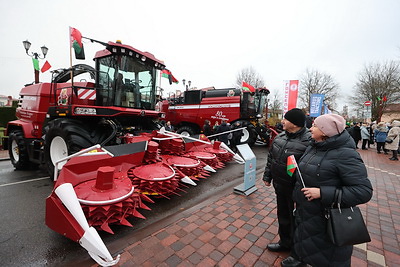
(261, 102)
(125, 81)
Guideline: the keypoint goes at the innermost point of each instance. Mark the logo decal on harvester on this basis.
(219, 116)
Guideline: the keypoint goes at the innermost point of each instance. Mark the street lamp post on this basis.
(187, 86)
(36, 56)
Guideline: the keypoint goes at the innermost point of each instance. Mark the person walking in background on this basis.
(215, 127)
(364, 135)
(207, 128)
(221, 129)
(169, 127)
(380, 134)
(371, 128)
(293, 141)
(355, 132)
(236, 136)
(330, 163)
(393, 135)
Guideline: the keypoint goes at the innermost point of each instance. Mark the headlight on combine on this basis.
(85, 111)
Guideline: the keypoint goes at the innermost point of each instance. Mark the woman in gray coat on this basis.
(330, 162)
(394, 135)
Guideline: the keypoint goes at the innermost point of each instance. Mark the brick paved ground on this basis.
(234, 230)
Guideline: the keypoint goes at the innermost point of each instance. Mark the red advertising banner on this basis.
(291, 93)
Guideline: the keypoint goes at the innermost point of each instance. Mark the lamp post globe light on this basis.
(187, 86)
(36, 56)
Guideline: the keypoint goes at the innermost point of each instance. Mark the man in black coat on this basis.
(355, 132)
(293, 141)
(224, 127)
(236, 136)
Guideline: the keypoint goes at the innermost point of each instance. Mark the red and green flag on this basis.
(291, 165)
(46, 66)
(76, 43)
(247, 87)
(168, 74)
(35, 62)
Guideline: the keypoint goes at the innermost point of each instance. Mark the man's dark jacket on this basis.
(283, 146)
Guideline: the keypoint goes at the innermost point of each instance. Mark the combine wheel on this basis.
(249, 136)
(185, 131)
(63, 138)
(18, 151)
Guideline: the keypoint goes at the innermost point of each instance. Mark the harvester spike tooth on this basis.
(92, 209)
(144, 206)
(116, 205)
(105, 227)
(125, 222)
(137, 214)
(146, 198)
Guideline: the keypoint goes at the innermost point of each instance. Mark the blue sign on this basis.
(249, 185)
(316, 103)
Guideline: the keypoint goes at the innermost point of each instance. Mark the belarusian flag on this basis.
(76, 43)
(46, 66)
(168, 74)
(291, 165)
(247, 87)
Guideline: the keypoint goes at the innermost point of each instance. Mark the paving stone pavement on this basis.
(234, 230)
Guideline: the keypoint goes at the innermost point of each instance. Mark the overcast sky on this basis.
(208, 42)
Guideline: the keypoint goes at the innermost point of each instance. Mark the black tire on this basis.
(18, 150)
(186, 130)
(64, 137)
(249, 136)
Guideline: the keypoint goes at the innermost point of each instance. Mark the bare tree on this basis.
(316, 82)
(250, 76)
(275, 108)
(380, 84)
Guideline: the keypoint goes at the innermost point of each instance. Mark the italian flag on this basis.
(291, 165)
(248, 87)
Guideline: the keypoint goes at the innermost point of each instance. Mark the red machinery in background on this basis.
(188, 112)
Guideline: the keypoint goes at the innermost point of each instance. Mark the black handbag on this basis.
(346, 226)
(388, 140)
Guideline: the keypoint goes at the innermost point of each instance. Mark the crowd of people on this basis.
(384, 136)
(230, 138)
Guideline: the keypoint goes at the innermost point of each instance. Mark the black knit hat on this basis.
(296, 116)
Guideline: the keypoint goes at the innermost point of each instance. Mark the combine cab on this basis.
(57, 119)
(102, 143)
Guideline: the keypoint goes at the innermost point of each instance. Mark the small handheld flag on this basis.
(291, 167)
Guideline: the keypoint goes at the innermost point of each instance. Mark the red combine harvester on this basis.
(102, 142)
(188, 113)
